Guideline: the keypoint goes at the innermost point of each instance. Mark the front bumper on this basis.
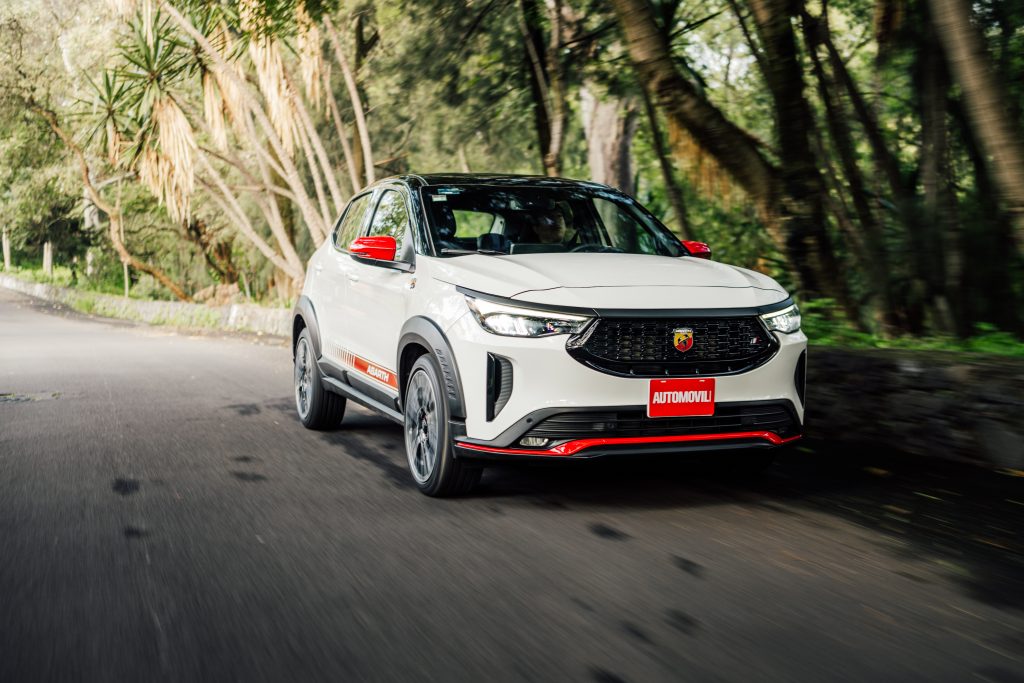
(593, 448)
(547, 380)
(586, 433)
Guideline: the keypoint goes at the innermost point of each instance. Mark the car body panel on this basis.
(515, 275)
(640, 298)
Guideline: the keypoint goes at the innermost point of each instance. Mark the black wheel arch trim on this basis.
(632, 312)
(426, 333)
(304, 310)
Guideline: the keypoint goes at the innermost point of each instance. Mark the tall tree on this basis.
(609, 124)
(788, 198)
(994, 128)
(547, 68)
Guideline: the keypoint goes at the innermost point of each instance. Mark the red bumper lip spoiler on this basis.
(572, 447)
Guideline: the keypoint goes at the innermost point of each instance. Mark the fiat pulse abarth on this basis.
(505, 318)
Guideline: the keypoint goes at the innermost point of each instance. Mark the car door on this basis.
(378, 293)
(334, 274)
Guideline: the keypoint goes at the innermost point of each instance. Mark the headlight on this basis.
(787, 320)
(511, 321)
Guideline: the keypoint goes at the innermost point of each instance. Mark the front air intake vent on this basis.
(800, 377)
(499, 384)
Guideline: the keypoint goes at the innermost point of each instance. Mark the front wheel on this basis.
(428, 443)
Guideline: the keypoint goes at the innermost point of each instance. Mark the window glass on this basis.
(390, 218)
(537, 219)
(472, 223)
(348, 228)
(625, 232)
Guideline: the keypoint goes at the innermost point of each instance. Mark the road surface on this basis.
(164, 517)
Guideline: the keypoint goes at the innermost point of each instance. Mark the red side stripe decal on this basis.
(370, 369)
(374, 371)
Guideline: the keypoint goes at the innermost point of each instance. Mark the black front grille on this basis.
(644, 347)
(776, 416)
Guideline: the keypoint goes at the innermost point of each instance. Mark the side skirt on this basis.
(348, 391)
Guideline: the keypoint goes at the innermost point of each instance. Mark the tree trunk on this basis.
(874, 257)
(735, 150)
(309, 128)
(937, 229)
(546, 72)
(463, 160)
(986, 247)
(807, 238)
(217, 253)
(672, 189)
(357, 101)
(609, 124)
(301, 133)
(886, 163)
(7, 249)
(346, 146)
(994, 129)
(48, 258)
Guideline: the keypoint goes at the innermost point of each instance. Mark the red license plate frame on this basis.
(684, 397)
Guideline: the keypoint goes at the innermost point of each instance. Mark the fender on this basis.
(304, 310)
(426, 333)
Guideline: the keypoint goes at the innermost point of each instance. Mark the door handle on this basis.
(318, 267)
(352, 277)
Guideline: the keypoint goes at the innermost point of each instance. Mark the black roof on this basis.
(499, 179)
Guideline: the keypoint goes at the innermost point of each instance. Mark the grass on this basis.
(825, 327)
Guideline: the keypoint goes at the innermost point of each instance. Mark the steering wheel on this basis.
(597, 248)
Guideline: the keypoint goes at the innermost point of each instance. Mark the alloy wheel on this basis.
(303, 378)
(421, 426)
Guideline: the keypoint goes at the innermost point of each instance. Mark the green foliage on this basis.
(447, 86)
(824, 327)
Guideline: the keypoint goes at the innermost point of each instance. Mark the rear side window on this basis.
(390, 218)
(348, 229)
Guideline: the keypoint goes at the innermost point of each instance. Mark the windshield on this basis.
(531, 220)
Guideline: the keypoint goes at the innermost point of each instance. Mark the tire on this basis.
(428, 442)
(317, 408)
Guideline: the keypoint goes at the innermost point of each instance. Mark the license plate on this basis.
(681, 397)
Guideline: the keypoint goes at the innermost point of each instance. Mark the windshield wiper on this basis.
(488, 252)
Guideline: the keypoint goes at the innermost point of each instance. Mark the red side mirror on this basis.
(697, 249)
(381, 248)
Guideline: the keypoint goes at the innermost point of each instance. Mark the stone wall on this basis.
(957, 406)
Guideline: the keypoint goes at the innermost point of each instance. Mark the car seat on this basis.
(493, 241)
(444, 227)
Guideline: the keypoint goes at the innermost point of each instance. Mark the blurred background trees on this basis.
(868, 153)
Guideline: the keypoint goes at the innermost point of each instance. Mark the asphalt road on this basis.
(164, 517)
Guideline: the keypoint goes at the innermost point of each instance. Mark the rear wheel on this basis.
(428, 442)
(317, 407)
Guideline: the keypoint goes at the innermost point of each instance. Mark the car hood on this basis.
(610, 280)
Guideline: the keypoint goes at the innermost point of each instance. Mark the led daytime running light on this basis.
(512, 321)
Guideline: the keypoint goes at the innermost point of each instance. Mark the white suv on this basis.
(514, 317)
